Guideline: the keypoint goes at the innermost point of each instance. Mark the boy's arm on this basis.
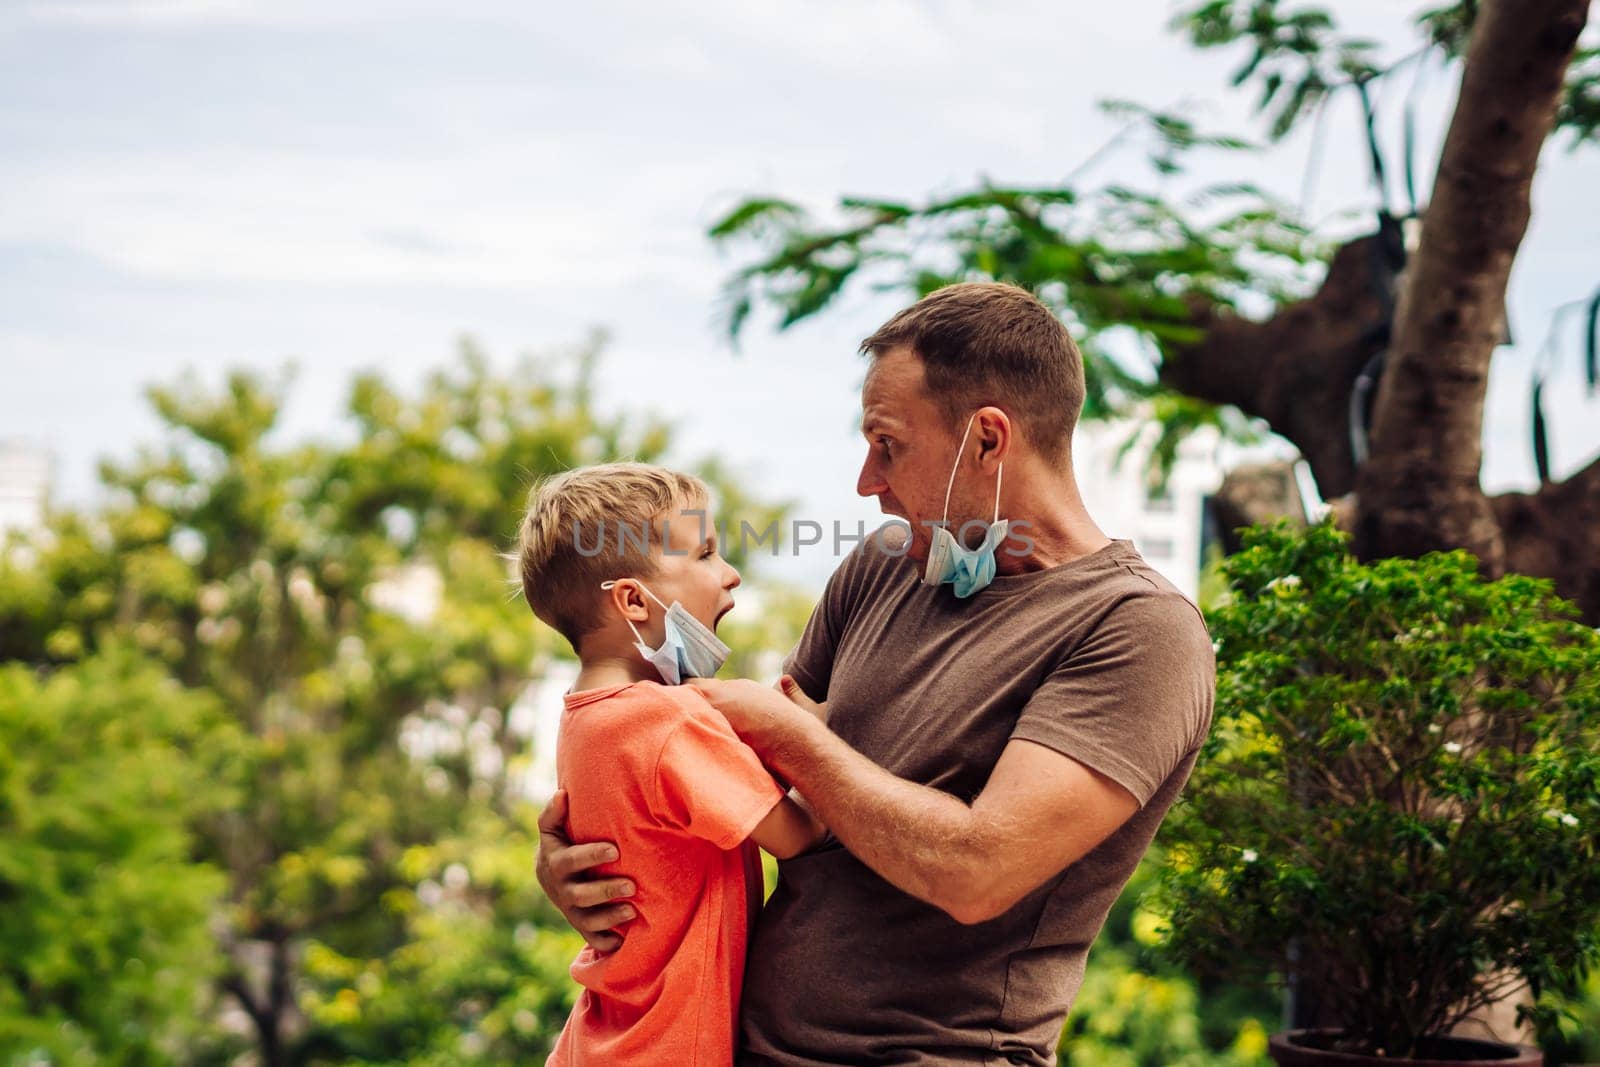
(789, 828)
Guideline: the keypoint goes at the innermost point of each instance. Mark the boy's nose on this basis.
(733, 581)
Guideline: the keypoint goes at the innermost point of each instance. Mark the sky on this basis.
(194, 185)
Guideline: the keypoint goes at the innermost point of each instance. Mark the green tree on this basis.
(107, 770)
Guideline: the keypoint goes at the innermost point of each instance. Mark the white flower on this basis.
(1435, 728)
(1285, 582)
(1452, 747)
(1568, 819)
(1249, 855)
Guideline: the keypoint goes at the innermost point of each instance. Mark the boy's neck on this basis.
(605, 671)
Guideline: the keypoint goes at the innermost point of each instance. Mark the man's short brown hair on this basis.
(592, 525)
(985, 343)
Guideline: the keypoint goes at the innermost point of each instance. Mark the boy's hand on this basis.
(586, 904)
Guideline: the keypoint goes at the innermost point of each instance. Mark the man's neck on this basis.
(1057, 524)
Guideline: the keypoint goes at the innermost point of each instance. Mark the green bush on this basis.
(1403, 778)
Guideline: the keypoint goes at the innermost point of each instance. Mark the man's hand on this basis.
(586, 904)
(791, 689)
(763, 718)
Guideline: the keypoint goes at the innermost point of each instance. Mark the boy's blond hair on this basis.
(591, 525)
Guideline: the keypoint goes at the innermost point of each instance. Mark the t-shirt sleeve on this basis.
(811, 662)
(711, 783)
(1134, 698)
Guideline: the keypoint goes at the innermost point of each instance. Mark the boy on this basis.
(622, 560)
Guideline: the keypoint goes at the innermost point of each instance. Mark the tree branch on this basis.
(1297, 369)
(1555, 533)
(234, 983)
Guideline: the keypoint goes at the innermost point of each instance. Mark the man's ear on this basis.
(995, 436)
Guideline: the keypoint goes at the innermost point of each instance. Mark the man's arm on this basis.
(591, 906)
(1039, 813)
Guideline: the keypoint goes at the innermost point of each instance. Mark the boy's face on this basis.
(689, 568)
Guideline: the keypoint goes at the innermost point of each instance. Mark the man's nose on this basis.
(870, 482)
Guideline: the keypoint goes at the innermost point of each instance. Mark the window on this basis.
(1154, 548)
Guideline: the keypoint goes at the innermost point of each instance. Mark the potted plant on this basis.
(1401, 786)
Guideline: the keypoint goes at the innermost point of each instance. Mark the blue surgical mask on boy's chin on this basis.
(688, 649)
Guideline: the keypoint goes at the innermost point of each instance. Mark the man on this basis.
(993, 753)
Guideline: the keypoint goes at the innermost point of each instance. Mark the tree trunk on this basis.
(1419, 491)
(266, 962)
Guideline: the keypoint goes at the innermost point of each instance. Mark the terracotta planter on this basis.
(1298, 1048)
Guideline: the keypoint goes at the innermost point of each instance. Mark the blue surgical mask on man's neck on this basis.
(966, 570)
(689, 649)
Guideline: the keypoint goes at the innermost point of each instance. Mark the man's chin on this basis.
(901, 540)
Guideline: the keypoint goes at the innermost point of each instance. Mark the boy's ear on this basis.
(628, 599)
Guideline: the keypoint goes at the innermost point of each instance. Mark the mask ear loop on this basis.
(950, 486)
(945, 521)
(609, 585)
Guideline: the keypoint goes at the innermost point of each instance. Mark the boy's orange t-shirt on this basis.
(659, 771)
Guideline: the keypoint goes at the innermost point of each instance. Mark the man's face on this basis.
(690, 569)
(910, 448)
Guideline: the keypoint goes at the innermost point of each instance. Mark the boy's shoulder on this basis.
(626, 733)
(649, 707)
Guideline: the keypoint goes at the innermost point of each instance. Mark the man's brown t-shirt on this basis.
(1100, 659)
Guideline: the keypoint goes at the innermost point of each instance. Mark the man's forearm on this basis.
(923, 841)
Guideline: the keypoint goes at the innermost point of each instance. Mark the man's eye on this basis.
(887, 452)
